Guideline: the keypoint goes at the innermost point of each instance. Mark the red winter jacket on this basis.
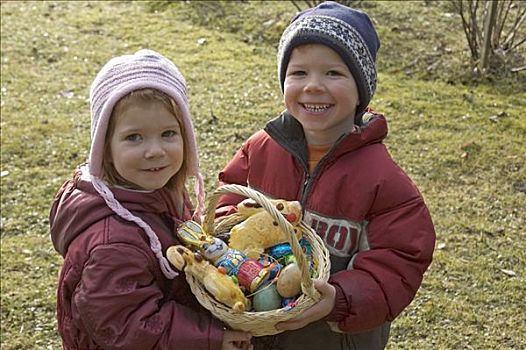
(369, 213)
(112, 293)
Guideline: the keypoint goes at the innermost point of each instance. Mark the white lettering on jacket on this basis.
(340, 236)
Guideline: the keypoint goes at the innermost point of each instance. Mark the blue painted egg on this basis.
(266, 298)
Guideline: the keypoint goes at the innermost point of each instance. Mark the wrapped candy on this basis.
(248, 272)
(271, 264)
(282, 253)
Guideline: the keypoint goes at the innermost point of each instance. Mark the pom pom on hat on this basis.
(347, 31)
(120, 76)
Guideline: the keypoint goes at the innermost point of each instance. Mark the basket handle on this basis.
(208, 225)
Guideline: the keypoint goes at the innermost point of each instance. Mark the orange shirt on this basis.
(316, 152)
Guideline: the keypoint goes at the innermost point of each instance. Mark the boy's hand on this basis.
(236, 340)
(316, 312)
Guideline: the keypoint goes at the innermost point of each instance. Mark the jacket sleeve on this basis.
(120, 304)
(383, 279)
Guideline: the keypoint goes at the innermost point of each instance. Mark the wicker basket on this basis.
(263, 322)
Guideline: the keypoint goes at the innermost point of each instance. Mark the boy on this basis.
(326, 151)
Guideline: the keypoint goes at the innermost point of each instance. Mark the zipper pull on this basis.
(305, 185)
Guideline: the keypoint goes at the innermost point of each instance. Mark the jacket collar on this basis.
(77, 206)
(288, 132)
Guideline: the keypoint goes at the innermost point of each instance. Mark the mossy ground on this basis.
(461, 139)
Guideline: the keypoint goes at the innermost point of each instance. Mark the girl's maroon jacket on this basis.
(112, 293)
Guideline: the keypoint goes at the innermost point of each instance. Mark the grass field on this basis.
(461, 139)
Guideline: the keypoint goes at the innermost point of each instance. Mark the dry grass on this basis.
(462, 141)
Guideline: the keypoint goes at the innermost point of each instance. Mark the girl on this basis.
(112, 221)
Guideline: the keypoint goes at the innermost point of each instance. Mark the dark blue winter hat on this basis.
(347, 31)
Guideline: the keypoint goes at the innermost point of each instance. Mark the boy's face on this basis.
(320, 92)
(147, 146)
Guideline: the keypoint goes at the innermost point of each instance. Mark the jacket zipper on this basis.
(309, 179)
(303, 198)
(307, 183)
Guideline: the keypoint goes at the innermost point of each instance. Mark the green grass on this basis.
(461, 139)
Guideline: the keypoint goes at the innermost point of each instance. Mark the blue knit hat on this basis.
(347, 31)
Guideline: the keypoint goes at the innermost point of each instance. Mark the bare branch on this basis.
(459, 7)
(491, 25)
(518, 69)
(298, 7)
(521, 16)
(476, 35)
(517, 44)
(502, 20)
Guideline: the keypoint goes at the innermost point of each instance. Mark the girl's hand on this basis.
(316, 312)
(236, 340)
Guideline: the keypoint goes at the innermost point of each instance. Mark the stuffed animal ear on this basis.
(175, 255)
(250, 203)
(192, 234)
(249, 207)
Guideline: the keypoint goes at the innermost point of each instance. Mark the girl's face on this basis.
(147, 146)
(321, 93)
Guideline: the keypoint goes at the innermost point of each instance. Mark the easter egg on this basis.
(289, 281)
(266, 298)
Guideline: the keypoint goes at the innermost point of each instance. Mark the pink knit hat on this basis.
(120, 76)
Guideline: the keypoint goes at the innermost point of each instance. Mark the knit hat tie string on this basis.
(124, 213)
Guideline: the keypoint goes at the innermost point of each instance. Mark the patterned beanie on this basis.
(347, 31)
(120, 76)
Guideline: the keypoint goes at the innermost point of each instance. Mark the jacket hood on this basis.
(77, 206)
